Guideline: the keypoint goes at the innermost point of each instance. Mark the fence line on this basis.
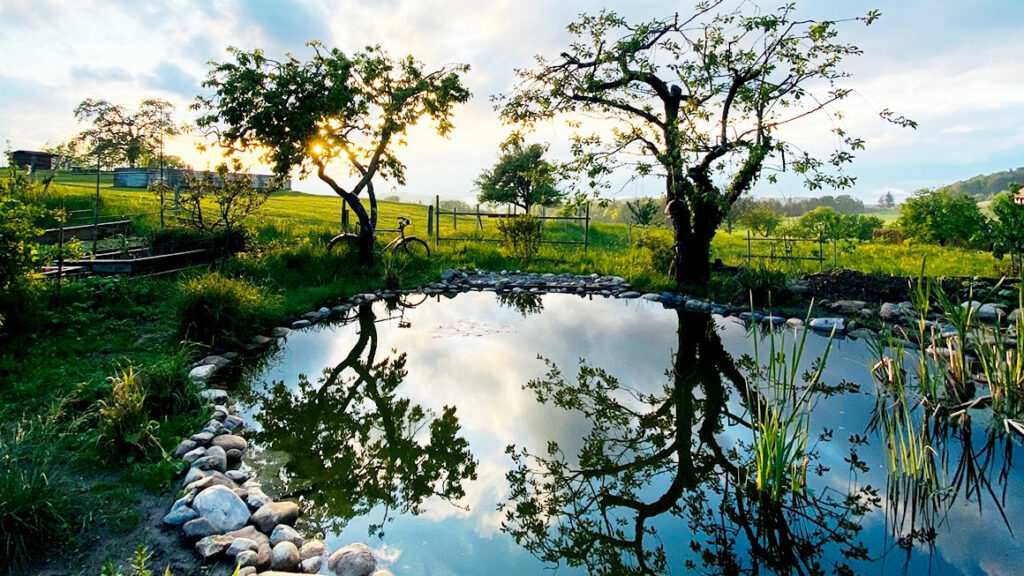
(789, 245)
(435, 214)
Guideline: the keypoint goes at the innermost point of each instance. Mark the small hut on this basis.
(33, 159)
(1018, 198)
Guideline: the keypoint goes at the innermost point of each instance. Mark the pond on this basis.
(506, 434)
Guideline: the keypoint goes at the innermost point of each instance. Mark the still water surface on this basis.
(481, 435)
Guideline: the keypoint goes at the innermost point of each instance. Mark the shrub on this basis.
(214, 309)
(940, 217)
(222, 201)
(888, 235)
(37, 504)
(521, 234)
(124, 423)
(762, 286)
(657, 248)
(169, 390)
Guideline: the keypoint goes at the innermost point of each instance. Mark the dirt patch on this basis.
(850, 285)
(94, 547)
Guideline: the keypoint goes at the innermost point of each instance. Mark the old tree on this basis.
(353, 110)
(700, 100)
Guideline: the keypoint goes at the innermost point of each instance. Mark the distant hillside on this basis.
(987, 185)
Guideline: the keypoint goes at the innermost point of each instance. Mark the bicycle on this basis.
(410, 245)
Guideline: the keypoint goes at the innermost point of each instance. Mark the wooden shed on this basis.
(35, 160)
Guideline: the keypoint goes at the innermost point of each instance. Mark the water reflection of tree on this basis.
(526, 303)
(355, 444)
(650, 455)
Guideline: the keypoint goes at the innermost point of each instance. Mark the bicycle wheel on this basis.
(414, 247)
(346, 239)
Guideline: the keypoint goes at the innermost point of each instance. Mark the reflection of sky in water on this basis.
(474, 354)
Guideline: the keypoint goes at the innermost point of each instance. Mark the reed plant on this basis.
(123, 422)
(780, 397)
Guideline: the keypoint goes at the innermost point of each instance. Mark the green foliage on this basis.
(392, 266)
(760, 219)
(656, 249)
(986, 185)
(38, 504)
(940, 217)
(169, 389)
(355, 109)
(830, 224)
(19, 252)
(123, 423)
(521, 177)
(522, 235)
(121, 136)
(217, 310)
(696, 101)
(762, 286)
(222, 201)
(1008, 230)
(643, 211)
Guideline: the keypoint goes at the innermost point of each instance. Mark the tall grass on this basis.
(123, 424)
(219, 310)
(38, 503)
(780, 398)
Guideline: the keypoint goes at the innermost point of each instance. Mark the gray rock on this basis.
(848, 306)
(261, 340)
(215, 361)
(300, 324)
(774, 321)
(209, 463)
(237, 476)
(280, 332)
(991, 313)
(198, 528)
(352, 560)
(285, 533)
(194, 455)
(340, 309)
(202, 438)
(240, 545)
(200, 374)
(232, 422)
(179, 516)
(222, 507)
(214, 396)
(221, 456)
(311, 565)
(652, 297)
(1015, 316)
(750, 316)
(247, 571)
(212, 546)
(193, 475)
(312, 549)
(229, 442)
(826, 325)
(693, 305)
(630, 294)
(323, 312)
(247, 558)
(185, 447)
(234, 458)
(273, 513)
(257, 498)
(284, 556)
(449, 274)
(794, 323)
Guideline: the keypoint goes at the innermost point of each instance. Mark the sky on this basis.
(954, 67)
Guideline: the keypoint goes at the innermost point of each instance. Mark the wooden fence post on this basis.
(748, 248)
(455, 217)
(437, 217)
(344, 215)
(430, 221)
(586, 230)
(479, 220)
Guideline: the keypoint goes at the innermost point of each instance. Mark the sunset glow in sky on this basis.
(954, 67)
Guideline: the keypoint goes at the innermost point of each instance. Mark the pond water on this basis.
(505, 435)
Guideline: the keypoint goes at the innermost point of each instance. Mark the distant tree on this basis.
(67, 154)
(122, 136)
(1008, 229)
(939, 217)
(221, 201)
(521, 177)
(354, 109)
(696, 99)
(642, 211)
(827, 222)
(736, 211)
(761, 219)
(886, 200)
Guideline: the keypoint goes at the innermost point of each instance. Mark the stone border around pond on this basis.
(227, 515)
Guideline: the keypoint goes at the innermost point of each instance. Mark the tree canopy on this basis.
(120, 136)
(521, 177)
(698, 100)
(940, 217)
(332, 109)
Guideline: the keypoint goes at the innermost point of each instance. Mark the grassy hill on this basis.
(986, 185)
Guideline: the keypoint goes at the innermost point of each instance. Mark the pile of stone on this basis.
(226, 515)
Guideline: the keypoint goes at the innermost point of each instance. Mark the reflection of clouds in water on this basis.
(387, 554)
